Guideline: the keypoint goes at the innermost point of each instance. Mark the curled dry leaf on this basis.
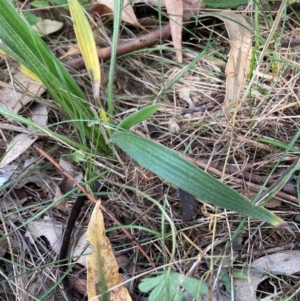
(52, 231)
(102, 267)
(128, 14)
(39, 114)
(282, 263)
(12, 100)
(6, 172)
(175, 11)
(238, 64)
(48, 228)
(17, 147)
(239, 58)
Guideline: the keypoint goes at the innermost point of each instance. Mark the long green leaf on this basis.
(226, 4)
(25, 46)
(22, 43)
(172, 167)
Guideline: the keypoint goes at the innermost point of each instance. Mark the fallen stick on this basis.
(127, 47)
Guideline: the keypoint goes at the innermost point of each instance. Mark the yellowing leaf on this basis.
(104, 118)
(30, 74)
(102, 267)
(87, 45)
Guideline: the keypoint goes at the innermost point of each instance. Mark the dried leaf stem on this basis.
(93, 200)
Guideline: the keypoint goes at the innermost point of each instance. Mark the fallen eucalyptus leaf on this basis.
(282, 263)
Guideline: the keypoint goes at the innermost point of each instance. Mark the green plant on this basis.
(26, 47)
(22, 44)
(167, 286)
(171, 166)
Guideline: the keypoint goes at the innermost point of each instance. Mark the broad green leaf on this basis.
(148, 284)
(194, 286)
(21, 42)
(172, 167)
(159, 292)
(226, 280)
(87, 44)
(167, 286)
(138, 117)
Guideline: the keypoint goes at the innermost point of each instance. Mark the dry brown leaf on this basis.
(73, 50)
(17, 147)
(187, 4)
(6, 172)
(102, 267)
(128, 14)
(38, 113)
(282, 263)
(46, 27)
(238, 64)
(12, 100)
(52, 230)
(48, 228)
(175, 11)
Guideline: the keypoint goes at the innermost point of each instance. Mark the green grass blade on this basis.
(24, 45)
(138, 117)
(172, 167)
(62, 138)
(279, 144)
(224, 4)
(21, 42)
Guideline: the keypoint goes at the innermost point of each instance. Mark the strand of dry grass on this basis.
(93, 200)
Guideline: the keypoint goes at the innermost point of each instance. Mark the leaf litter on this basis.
(196, 136)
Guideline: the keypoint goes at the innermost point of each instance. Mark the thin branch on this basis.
(127, 47)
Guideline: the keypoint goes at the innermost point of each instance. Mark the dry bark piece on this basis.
(189, 205)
